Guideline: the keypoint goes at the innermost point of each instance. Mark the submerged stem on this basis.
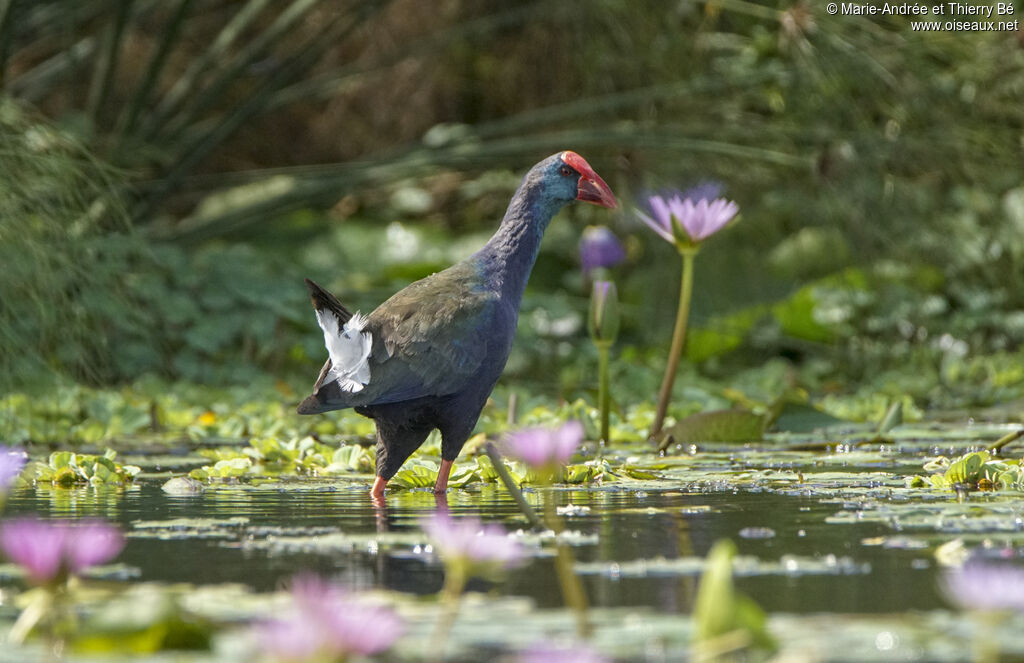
(678, 338)
(572, 588)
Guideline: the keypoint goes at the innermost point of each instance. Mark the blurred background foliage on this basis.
(171, 170)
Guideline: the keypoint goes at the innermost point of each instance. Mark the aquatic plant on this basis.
(471, 545)
(547, 450)
(467, 548)
(982, 586)
(683, 220)
(989, 592)
(50, 552)
(599, 249)
(975, 470)
(66, 468)
(268, 456)
(603, 324)
(328, 624)
(725, 621)
(549, 653)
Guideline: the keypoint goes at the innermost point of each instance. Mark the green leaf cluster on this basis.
(976, 470)
(271, 456)
(421, 473)
(67, 468)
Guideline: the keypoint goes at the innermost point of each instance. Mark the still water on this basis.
(616, 527)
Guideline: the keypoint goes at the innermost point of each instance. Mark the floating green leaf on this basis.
(65, 468)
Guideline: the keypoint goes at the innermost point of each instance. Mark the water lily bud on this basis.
(600, 248)
(603, 321)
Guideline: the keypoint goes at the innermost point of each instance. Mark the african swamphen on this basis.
(430, 355)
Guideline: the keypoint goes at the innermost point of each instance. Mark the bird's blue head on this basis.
(564, 177)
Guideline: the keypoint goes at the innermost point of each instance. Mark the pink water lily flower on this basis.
(697, 218)
(49, 550)
(548, 653)
(327, 623)
(470, 540)
(982, 586)
(543, 448)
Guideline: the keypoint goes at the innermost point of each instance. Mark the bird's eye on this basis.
(565, 171)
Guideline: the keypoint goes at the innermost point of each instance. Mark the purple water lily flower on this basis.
(547, 653)
(291, 639)
(600, 248)
(328, 624)
(470, 540)
(698, 218)
(91, 543)
(981, 586)
(49, 550)
(542, 448)
(11, 464)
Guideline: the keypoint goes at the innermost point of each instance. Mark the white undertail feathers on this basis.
(349, 349)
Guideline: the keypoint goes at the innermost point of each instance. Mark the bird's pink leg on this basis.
(377, 492)
(441, 485)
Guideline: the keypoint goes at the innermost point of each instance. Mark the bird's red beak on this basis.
(592, 188)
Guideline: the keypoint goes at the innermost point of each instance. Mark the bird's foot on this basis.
(441, 485)
(377, 492)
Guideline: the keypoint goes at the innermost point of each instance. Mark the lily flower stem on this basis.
(603, 395)
(572, 588)
(678, 338)
(510, 485)
(986, 644)
(451, 597)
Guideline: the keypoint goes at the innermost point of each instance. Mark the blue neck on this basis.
(508, 257)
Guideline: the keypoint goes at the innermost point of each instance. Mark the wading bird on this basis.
(430, 355)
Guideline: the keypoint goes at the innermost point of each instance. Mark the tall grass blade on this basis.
(233, 69)
(333, 82)
(197, 149)
(40, 80)
(186, 85)
(154, 69)
(7, 11)
(106, 64)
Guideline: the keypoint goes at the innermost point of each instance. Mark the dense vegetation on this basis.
(176, 168)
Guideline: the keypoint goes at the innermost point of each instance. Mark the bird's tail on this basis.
(323, 300)
(347, 369)
(313, 405)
